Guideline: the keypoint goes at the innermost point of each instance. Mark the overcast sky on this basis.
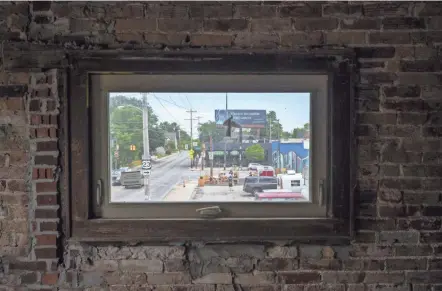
(292, 109)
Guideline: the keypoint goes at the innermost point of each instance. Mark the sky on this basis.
(292, 109)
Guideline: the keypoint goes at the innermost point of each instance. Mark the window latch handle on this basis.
(321, 192)
(209, 212)
(99, 191)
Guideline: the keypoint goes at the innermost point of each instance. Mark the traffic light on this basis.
(133, 147)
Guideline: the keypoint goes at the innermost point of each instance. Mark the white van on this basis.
(293, 182)
(132, 179)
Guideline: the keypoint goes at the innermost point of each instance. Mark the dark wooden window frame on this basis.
(337, 227)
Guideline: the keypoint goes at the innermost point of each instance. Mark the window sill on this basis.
(318, 230)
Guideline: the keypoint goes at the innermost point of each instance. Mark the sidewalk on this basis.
(180, 193)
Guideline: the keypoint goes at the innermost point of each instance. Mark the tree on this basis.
(273, 129)
(255, 153)
(210, 128)
(301, 132)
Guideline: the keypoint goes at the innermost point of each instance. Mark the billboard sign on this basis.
(245, 118)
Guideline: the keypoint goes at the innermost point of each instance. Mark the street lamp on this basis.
(145, 113)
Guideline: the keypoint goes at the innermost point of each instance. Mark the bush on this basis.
(168, 152)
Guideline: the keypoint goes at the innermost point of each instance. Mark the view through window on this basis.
(204, 147)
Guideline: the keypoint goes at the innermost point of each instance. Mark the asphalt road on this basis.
(164, 176)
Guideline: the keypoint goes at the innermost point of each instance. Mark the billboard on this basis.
(246, 118)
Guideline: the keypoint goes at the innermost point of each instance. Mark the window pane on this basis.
(202, 147)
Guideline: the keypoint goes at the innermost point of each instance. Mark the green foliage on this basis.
(208, 129)
(126, 127)
(255, 153)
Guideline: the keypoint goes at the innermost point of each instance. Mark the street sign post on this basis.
(210, 155)
(195, 143)
(186, 146)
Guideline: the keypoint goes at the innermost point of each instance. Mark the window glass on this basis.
(170, 147)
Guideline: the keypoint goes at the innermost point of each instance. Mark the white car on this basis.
(253, 166)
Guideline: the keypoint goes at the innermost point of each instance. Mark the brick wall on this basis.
(398, 243)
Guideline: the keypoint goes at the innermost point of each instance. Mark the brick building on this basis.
(397, 242)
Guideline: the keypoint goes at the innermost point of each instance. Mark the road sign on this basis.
(146, 165)
(146, 172)
(186, 146)
(210, 155)
(195, 143)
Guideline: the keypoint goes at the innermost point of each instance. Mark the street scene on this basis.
(178, 147)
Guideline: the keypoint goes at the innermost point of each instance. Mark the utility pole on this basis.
(202, 145)
(145, 128)
(191, 131)
(211, 161)
(225, 141)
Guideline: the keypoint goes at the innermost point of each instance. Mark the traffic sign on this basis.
(146, 172)
(186, 146)
(210, 155)
(146, 165)
(195, 143)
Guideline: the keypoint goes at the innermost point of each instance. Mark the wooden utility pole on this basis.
(191, 132)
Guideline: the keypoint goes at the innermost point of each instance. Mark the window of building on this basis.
(204, 143)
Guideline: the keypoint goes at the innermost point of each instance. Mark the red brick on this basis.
(46, 213)
(46, 187)
(46, 253)
(136, 24)
(46, 239)
(35, 119)
(52, 132)
(218, 40)
(42, 173)
(28, 278)
(49, 279)
(48, 226)
(28, 265)
(42, 93)
(46, 200)
(130, 37)
(46, 160)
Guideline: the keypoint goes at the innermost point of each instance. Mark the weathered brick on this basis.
(254, 10)
(309, 24)
(28, 265)
(46, 253)
(218, 40)
(46, 213)
(49, 279)
(29, 278)
(413, 250)
(302, 39)
(148, 265)
(270, 25)
(403, 23)
(13, 90)
(46, 200)
(342, 277)
(48, 226)
(375, 52)
(181, 25)
(360, 24)
(46, 239)
(342, 9)
(420, 66)
(298, 277)
(136, 24)
(387, 9)
(223, 25)
(389, 37)
(310, 9)
(46, 160)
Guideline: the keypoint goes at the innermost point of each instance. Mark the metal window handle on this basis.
(99, 192)
(209, 212)
(321, 192)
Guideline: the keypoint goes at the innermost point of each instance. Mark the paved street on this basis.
(164, 176)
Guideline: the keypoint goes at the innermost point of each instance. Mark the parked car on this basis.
(116, 176)
(256, 184)
(253, 166)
